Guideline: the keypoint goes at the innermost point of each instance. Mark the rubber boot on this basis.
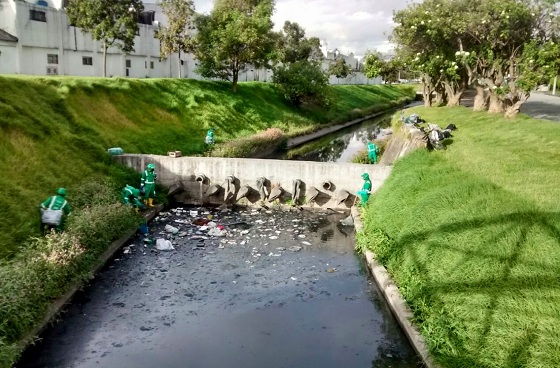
(150, 202)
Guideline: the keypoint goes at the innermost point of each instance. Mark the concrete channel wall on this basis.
(332, 181)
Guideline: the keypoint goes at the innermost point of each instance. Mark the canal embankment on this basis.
(470, 236)
(63, 127)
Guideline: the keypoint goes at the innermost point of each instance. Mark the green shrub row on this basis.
(45, 268)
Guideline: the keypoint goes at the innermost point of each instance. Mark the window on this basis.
(37, 15)
(128, 72)
(52, 59)
(128, 64)
(87, 60)
(151, 64)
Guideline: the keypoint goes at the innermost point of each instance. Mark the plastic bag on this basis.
(163, 244)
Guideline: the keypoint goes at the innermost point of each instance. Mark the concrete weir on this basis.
(211, 180)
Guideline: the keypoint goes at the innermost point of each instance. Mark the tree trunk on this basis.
(427, 99)
(513, 110)
(454, 99)
(439, 98)
(480, 100)
(104, 59)
(427, 94)
(235, 78)
(179, 65)
(496, 105)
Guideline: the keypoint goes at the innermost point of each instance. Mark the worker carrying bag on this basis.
(50, 216)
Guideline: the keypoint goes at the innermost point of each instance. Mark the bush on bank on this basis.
(45, 268)
(470, 235)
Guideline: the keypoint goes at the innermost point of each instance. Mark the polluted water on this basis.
(221, 287)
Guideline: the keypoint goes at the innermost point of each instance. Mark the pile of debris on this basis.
(432, 132)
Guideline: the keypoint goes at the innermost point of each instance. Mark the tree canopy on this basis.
(113, 22)
(177, 36)
(236, 34)
(505, 48)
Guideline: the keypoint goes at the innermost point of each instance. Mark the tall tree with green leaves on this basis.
(236, 34)
(177, 35)
(113, 22)
(340, 68)
(293, 46)
(299, 76)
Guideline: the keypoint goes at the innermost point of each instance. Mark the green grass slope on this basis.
(472, 236)
(55, 131)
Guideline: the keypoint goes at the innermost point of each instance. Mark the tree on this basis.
(177, 36)
(427, 35)
(514, 43)
(294, 46)
(113, 22)
(340, 69)
(302, 82)
(373, 64)
(237, 33)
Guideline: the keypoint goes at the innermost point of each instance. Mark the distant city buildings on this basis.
(37, 39)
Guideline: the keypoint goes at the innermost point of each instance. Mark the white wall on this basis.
(8, 57)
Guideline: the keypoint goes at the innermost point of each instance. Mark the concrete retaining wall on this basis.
(405, 140)
(182, 171)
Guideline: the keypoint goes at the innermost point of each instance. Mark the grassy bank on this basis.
(55, 131)
(471, 236)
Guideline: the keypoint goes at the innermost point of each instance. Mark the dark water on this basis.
(343, 145)
(245, 300)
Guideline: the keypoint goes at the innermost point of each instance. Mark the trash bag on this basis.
(171, 229)
(451, 127)
(163, 244)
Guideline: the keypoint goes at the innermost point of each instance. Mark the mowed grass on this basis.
(472, 237)
(56, 131)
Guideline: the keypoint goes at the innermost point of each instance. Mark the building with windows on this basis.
(36, 38)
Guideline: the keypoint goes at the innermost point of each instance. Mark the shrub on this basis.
(45, 268)
(270, 139)
(303, 82)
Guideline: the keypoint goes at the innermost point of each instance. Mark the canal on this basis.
(340, 146)
(271, 288)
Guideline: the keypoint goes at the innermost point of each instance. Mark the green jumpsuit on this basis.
(210, 136)
(373, 151)
(56, 203)
(130, 197)
(149, 181)
(366, 189)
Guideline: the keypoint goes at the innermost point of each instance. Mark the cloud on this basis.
(349, 25)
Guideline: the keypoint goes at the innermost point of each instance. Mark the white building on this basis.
(356, 64)
(37, 39)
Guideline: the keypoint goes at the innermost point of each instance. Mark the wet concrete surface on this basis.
(280, 289)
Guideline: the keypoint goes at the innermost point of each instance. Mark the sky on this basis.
(348, 25)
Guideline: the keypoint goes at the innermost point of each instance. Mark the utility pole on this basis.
(554, 85)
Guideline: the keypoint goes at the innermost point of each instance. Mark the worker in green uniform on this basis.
(148, 184)
(131, 197)
(372, 151)
(366, 189)
(53, 212)
(210, 136)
